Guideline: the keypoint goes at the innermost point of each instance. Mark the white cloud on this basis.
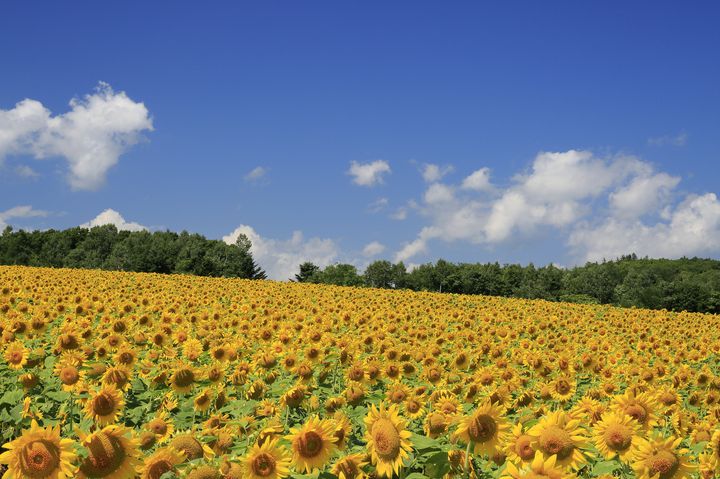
(112, 217)
(399, 214)
(561, 191)
(378, 205)
(438, 193)
(16, 212)
(281, 258)
(255, 174)
(673, 140)
(693, 228)
(373, 248)
(478, 180)
(368, 174)
(91, 136)
(643, 195)
(25, 171)
(432, 173)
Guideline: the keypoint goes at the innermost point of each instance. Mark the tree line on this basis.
(105, 247)
(686, 284)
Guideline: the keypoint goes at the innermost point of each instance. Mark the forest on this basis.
(685, 284)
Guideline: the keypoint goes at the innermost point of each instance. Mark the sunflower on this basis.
(660, 458)
(642, 407)
(616, 435)
(436, 424)
(268, 461)
(16, 355)
(386, 439)
(485, 428)
(557, 434)
(714, 446)
(312, 444)
(413, 408)
(350, 467)
(519, 448)
(538, 468)
(39, 453)
(161, 425)
(162, 461)
(562, 388)
(187, 443)
(104, 405)
(68, 374)
(112, 453)
(204, 471)
(183, 379)
(343, 429)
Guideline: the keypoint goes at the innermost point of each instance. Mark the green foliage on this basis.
(104, 247)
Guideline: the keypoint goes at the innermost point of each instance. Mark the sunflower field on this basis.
(124, 375)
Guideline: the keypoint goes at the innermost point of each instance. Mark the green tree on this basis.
(307, 271)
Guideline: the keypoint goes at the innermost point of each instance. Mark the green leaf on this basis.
(423, 442)
(605, 467)
(416, 475)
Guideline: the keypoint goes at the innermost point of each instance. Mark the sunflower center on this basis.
(664, 463)
(413, 406)
(69, 375)
(158, 426)
(482, 428)
(16, 357)
(617, 437)
(436, 423)
(309, 444)
(104, 405)
(184, 378)
(105, 455)
(39, 459)
(397, 396)
(158, 468)
(562, 386)
(189, 445)
(263, 465)
(387, 439)
(637, 412)
(555, 440)
(523, 447)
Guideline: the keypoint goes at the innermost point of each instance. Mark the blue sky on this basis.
(594, 128)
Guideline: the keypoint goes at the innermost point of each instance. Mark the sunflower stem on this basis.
(466, 466)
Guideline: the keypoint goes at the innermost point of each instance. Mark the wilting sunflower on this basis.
(350, 467)
(538, 468)
(16, 355)
(162, 461)
(312, 444)
(386, 439)
(556, 434)
(616, 434)
(660, 457)
(485, 428)
(39, 453)
(269, 461)
(104, 405)
(112, 453)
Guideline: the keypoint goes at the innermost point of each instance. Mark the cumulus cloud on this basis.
(255, 174)
(672, 140)
(693, 228)
(281, 258)
(478, 180)
(91, 137)
(432, 173)
(112, 217)
(17, 212)
(373, 248)
(399, 214)
(576, 193)
(368, 174)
